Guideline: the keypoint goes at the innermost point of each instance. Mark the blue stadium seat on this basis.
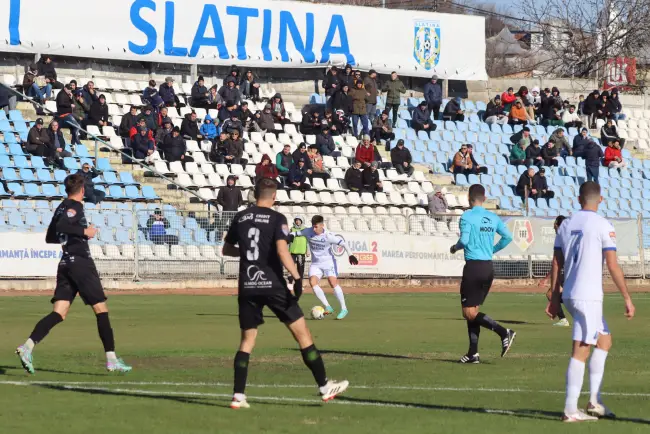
(103, 165)
(461, 179)
(473, 179)
(71, 164)
(123, 206)
(450, 125)
(32, 190)
(122, 236)
(115, 192)
(107, 237)
(462, 126)
(554, 204)
(149, 193)
(127, 220)
(27, 175)
(113, 220)
(10, 175)
(37, 162)
(507, 129)
(62, 191)
(496, 128)
(517, 128)
(82, 151)
(16, 149)
(21, 162)
(33, 219)
(15, 218)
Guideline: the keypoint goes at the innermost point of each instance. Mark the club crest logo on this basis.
(426, 43)
(523, 235)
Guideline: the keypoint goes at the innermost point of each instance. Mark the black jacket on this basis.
(89, 184)
(167, 93)
(128, 121)
(532, 152)
(548, 153)
(98, 112)
(398, 157)
(579, 144)
(140, 145)
(614, 104)
(297, 156)
(59, 135)
(329, 81)
(342, 101)
(90, 98)
(539, 182)
(217, 150)
(354, 178)
(234, 147)
(524, 181)
(46, 69)
(4, 96)
(325, 144)
(63, 103)
(174, 147)
(296, 174)
(451, 108)
(230, 95)
(189, 127)
(369, 177)
(592, 155)
(493, 110)
(591, 104)
(421, 117)
(199, 94)
(229, 197)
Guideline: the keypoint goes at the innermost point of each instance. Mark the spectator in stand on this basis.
(535, 99)
(284, 160)
(298, 176)
(370, 179)
(38, 141)
(348, 76)
(65, 106)
(614, 105)
(525, 187)
(613, 157)
(99, 113)
(158, 225)
(534, 155)
(57, 141)
(135, 130)
(301, 154)
(580, 142)
(421, 120)
(358, 95)
(218, 148)
(550, 154)
(372, 92)
(465, 163)
(571, 119)
(478, 169)
(266, 121)
(522, 95)
(91, 194)
(235, 149)
(325, 142)
(247, 118)
(149, 118)
(73, 86)
(151, 96)
(81, 110)
(453, 111)
(175, 148)
(559, 140)
(142, 143)
(608, 133)
(437, 202)
(592, 154)
(365, 153)
(311, 122)
(393, 88)
(551, 107)
(353, 177)
(581, 105)
(163, 113)
(520, 137)
(518, 115)
(278, 111)
(518, 155)
(190, 127)
(208, 129)
(603, 107)
(332, 81)
(40, 92)
(378, 159)
(316, 162)
(4, 99)
(494, 113)
(161, 135)
(401, 159)
(591, 106)
(335, 126)
(229, 196)
(214, 99)
(540, 184)
(381, 129)
(230, 92)
(45, 68)
(90, 93)
(168, 94)
(226, 110)
(266, 169)
(433, 96)
(508, 98)
(200, 94)
(249, 87)
(233, 124)
(342, 100)
(233, 74)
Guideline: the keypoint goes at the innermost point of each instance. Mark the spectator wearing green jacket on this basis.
(518, 154)
(298, 250)
(284, 160)
(393, 88)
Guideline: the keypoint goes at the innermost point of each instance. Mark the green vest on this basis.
(299, 244)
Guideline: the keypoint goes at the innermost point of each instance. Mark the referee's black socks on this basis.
(485, 321)
(313, 360)
(241, 371)
(44, 326)
(473, 331)
(105, 331)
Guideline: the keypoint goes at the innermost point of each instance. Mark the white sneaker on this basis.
(562, 323)
(236, 403)
(578, 416)
(599, 410)
(332, 389)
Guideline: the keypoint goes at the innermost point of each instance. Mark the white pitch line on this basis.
(300, 386)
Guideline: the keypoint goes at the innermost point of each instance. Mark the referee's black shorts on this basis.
(476, 282)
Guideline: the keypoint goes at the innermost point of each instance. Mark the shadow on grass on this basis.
(504, 321)
(3, 371)
(523, 413)
(364, 354)
(217, 314)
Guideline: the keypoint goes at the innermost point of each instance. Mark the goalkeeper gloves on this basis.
(453, 249)
(353, 260)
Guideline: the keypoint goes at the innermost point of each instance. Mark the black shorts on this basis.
(282, 304)
(476, 283)
(78, 275)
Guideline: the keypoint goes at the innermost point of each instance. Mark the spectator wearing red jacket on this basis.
(266, 169)
(365, 152)
(613, 157)
(507, 98)
(135, 129)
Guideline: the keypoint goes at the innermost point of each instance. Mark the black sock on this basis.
(44, 326)
(560, 314)
(485, 321)
(105, 331)
(473, 331)
(297, 288)
(313, 360)
(241, 371)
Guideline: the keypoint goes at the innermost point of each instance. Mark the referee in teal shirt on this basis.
(478, 227)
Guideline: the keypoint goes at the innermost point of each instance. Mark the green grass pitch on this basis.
(398, 352)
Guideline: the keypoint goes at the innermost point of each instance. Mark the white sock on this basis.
(239, 396)
(111, 356)
(318, 292)
(29, 344)
(574, 377)
(339, 294)
(596, 372)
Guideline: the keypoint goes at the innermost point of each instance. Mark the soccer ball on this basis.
(317, 312)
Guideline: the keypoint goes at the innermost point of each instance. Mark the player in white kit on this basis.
(580, 246)
(323, 262)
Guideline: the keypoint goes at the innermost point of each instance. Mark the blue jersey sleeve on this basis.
(465, 232)
(506, 236)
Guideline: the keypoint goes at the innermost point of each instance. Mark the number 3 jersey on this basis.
(583, 239)
(67, 228)
(256, 231)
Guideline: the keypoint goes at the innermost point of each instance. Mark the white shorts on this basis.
(323, 270)
(588, 320)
